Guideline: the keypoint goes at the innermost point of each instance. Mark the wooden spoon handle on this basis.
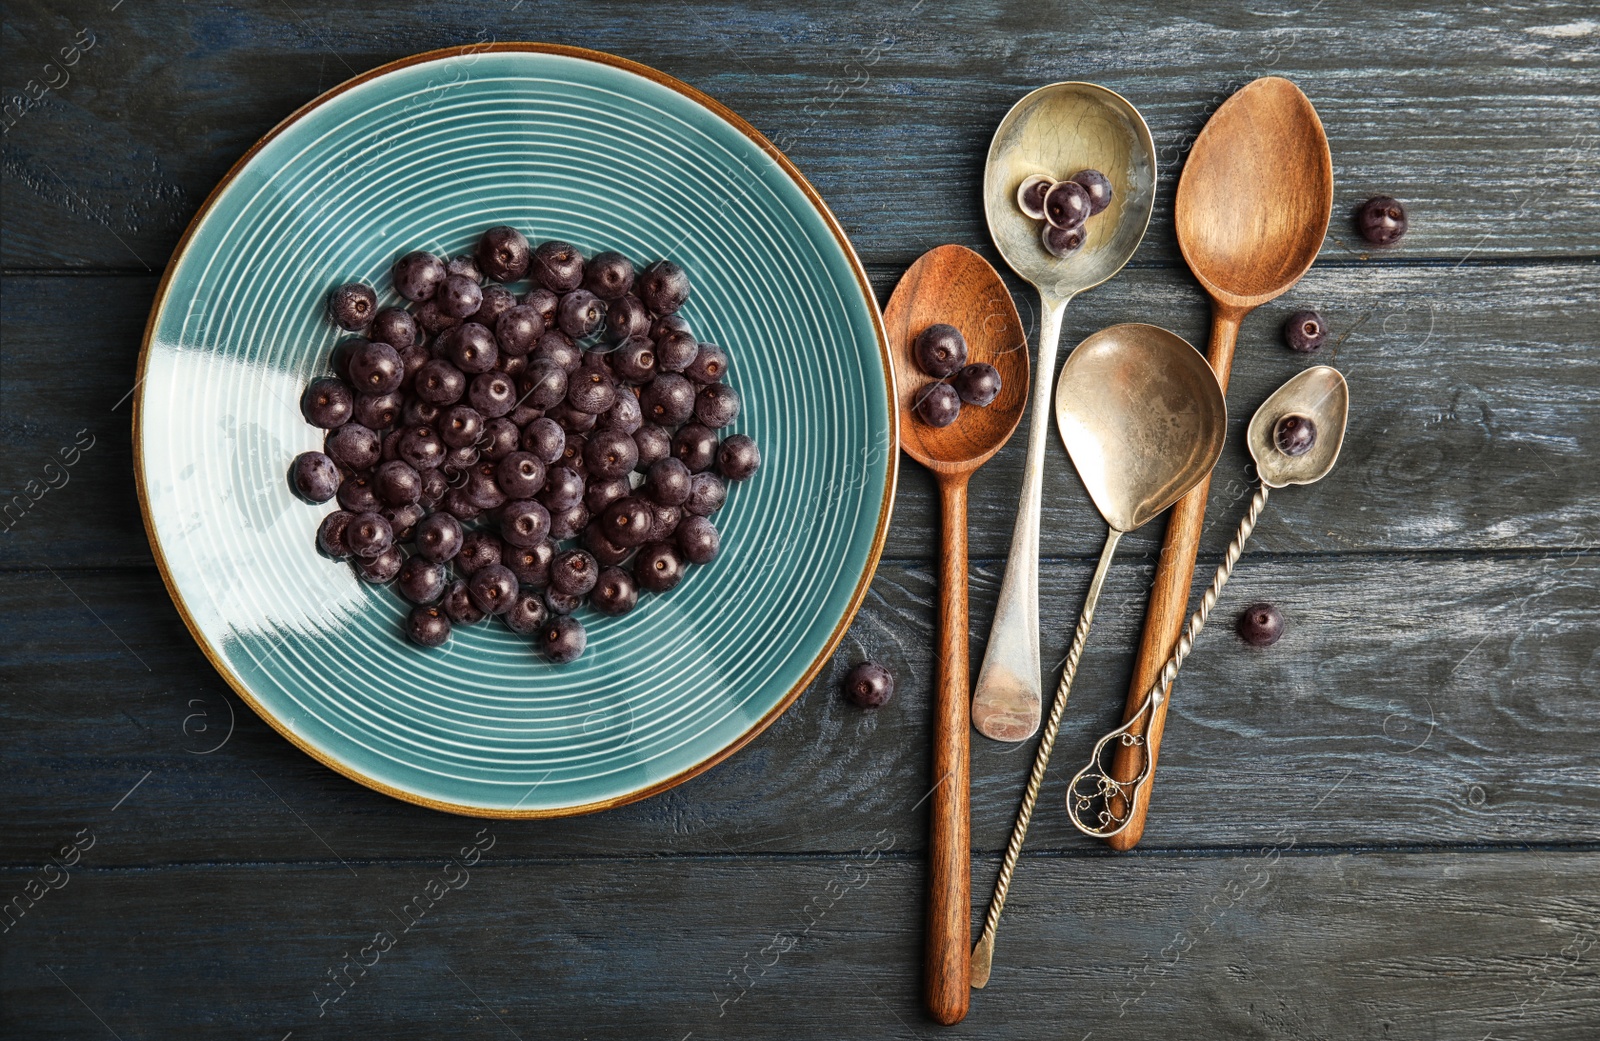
(1169, 603)
(949, 840)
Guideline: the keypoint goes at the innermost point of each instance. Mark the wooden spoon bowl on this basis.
(954, 285)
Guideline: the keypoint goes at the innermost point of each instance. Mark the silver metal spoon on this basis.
(1098, 803)
(1056, 131)
(1143, 419)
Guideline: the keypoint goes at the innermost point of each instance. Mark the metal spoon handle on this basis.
(983, 953)
(1094, 787)
(1006, 701)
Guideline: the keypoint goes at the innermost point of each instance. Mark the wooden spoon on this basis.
(1252, 210)
(954, 285)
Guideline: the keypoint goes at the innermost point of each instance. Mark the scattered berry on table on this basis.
(1304, 331)
(1260, 625)
(869, 685)
(1382, 220)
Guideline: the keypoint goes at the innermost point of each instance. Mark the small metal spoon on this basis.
(1143, 420)
(1319, 393)
(1056, 130)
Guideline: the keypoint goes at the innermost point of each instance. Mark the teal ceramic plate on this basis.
(424, 154)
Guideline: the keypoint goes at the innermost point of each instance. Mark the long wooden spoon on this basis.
(954, 285)
(1252, 210)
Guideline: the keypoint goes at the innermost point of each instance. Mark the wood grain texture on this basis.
(1472, 423)
(1268, 943)
(1435, 99)
(1452, 694)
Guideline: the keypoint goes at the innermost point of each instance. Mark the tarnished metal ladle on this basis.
(1143, 419)
(1057, 131)
(1098, 803)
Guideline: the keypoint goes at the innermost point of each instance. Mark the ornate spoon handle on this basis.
(983, 952)
(1093, 789)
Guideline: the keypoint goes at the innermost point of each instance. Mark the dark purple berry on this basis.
(472, 348)
(569, 522)
(581, 314)
(479, 549)
(563, 489)
(1031, 193)
(460, 426)
(558, 266)
(458, 296)
(431, 318)
(497, 300)
(434, 487)
(395, 327)
(572, 455)
(1063, 242)
(397, 484)
(368, 534)
(354, 447)
(557, 348)
(665, 526)
(591, 391)
(440, 383)
(626, 318)
(428, 626)
(482, 490)
(327, 403)
(375, 368)
(438, 537)
(417, 276)
(316, 477)
(710, 364)
(457, 505)
(403, 520)
(419, 413)
(520, 475)
(503, 254)
(573, 572)
(654, 444)
(458, 605)
(531, 564)
(667, 482)
(545, 303)
(1066, 204)
(615, 593)
(1260, 625)
(563, 639)
(544, 439)
(560, 604)
(380, 568)
(696, 446)
(330, 534)
(707, 493)
(465, 266)
(676, 351)
(668, 323)
(602, 492)
(977, 384)
(1382, 220)
(422, 581)
(493, 588)
(698, 540)
(658, 567)
(608, 275)
(378, 411)
(940, 350)
(716, 405)
(869, 685)
(1304, 331)
(668, 399)
(391, 445)
(627, 521)
(527, 615)
(356, 494)
(517, 330)
(663, 287)
(634, 360)
(1098, 187)
(738, 457)
(1294, 434)
(352, 306)
(499, 439)
(610, 453)
(938, 404)
(524, 522)
(627, 415)
(492, 394)
(543, 384)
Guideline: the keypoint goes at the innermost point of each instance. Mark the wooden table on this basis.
(1386, 826)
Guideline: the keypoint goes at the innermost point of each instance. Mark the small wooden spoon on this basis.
(1252, 210)
(954, 285)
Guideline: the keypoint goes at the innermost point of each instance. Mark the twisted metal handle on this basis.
(983, 952)
(1093, 791)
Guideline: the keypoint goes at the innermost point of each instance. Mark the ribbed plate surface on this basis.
(426, 154)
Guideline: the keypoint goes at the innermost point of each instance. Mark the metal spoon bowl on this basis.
(1056, 130)
(1319, 393)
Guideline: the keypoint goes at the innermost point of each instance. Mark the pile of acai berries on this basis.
(532, 451)
(1064, 206)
